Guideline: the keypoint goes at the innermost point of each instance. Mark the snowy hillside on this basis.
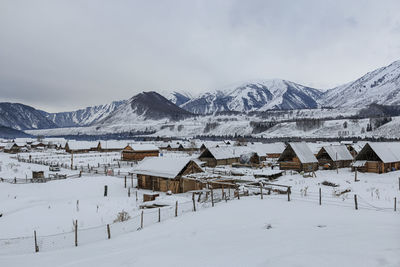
(380, 86)
(22, 117)
(84, 116)
(255, 96)
(178, 98)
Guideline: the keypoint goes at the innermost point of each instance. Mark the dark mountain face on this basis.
(22, 117)
(9, 133)
(154, 106)
(146, 106)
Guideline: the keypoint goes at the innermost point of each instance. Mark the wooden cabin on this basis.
(269, 150)
(299, 157)
(136, 152)
(222, 155)
(378, 157)
(111, 146)
(335, 156)
(81, 146)
(12, 148)
(167, 174)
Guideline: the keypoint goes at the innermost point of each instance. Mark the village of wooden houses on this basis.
(109, 189)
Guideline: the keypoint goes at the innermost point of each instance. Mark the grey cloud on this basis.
(62, 55)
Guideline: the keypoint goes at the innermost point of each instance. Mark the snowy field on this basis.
(245, 232)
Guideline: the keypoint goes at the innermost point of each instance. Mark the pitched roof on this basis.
(303, 152)
(269, 148)
(113, 144)
(386, 151)
(228, 152)
(162, 166)
(338, 152)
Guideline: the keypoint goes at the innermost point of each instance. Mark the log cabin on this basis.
(168, 174)
(299, 157)
(136, 152)
(378, 157)
(222, 155)
(334, 156)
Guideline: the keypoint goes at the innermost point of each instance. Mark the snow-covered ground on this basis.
(245, 232)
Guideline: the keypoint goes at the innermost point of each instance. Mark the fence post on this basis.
(76, 233)
(395, 204)
(238, 192)
(36, 245)
(108, 231)
(355, 202)
(320, 197)
(132, 180)
(212, 197)
(105, 190)
(288, 194)
(194, 202)
(129, 192)
(261, 188)
(176, 209)
(136, 196)
(355, 175)
(125, 182)
(141, 220)
(159, 214)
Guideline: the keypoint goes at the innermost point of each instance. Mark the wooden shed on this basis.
(222, 155)
(167, 174)
(136, 152)
(12, 148)
(379, 157)
(299, 157)
(81, 146)
(335, 156)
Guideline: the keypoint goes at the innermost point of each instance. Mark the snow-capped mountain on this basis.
(86, 116)
(381, 86)
(145, 106)
(178, 98)
(23, 117)
(255, 96)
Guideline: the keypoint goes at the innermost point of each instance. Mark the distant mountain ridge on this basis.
(381, 86)
(255, 96)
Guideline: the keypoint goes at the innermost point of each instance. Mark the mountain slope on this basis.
(255, 96)
(9, 133)
(23, 117)
(146, 106)
(82, 117)
(178, 98)
(381, 86)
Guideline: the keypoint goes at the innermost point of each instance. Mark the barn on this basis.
(168, 174)
(378, 157)
(223, 155)
(299, 157)
(111, 146)
(135, 152)
(335, 156)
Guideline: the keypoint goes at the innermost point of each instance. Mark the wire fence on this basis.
(146, 217)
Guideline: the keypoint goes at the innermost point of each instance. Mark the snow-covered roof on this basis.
(80, 145)
(143, 147)
(270, 148)
(9, 146)
(113, 144)
(228, 152)
(386, 151)
(303, 152)
(338, 152)
(162, 166)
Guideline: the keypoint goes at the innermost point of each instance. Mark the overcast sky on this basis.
(63, 55)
